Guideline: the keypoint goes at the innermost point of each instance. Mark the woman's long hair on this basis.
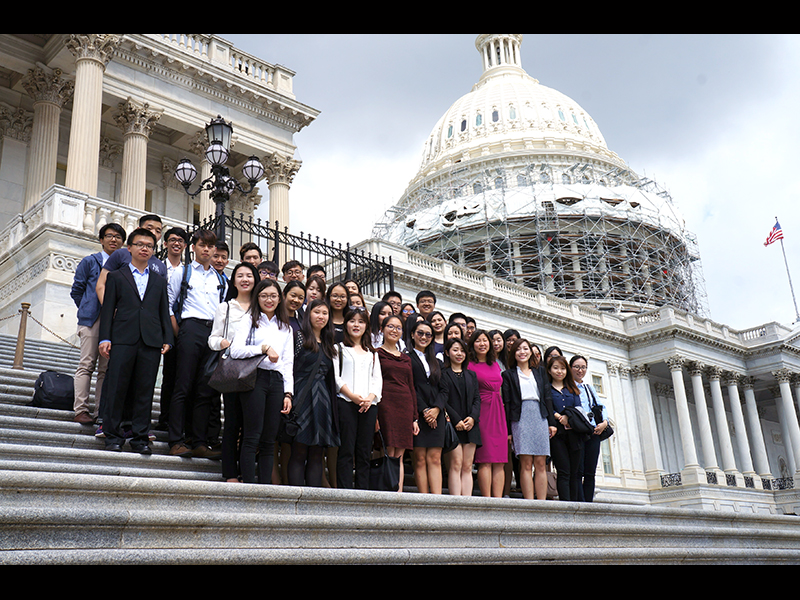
(375, 324)
(233, 292)
(569, 381)
(358, 313)
(449, 344)
(280, 310)
(430, 351)
(512, 354)
(325, 335)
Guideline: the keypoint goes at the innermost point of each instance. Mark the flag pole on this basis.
(791, 287)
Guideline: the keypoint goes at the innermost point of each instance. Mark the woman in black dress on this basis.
(430, 406)
(317, 417)
(463, 403)
(337, 301)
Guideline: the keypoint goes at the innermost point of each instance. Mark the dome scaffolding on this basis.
(609, 239)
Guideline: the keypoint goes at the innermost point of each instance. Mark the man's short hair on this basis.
(268, 266)
(208, 237)
(426, 294)
(247, 247)
(142, 231)
(456, 315)
(179, 231)
(147, 218)
(391, 294)
(223, 247)
(315, 269)
(291, 265)
(116, 228)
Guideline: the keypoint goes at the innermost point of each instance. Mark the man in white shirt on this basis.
(195, 292)
(176, 239)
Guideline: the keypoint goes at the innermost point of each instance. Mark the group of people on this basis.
(333, 375)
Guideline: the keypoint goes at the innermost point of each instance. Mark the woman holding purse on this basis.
(226, 321)
(266, 332)
(595, 411)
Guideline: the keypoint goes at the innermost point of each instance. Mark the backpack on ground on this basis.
(54, 390)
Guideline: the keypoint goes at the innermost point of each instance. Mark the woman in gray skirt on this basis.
(529, 410)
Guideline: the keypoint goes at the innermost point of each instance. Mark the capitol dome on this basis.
(516, 180)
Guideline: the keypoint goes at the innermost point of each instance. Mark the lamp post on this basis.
(220, 184)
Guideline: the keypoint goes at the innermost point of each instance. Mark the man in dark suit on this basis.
(135, 330)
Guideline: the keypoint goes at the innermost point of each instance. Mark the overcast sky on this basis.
(713, 119)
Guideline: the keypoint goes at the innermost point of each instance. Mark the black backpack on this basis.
(54, 390)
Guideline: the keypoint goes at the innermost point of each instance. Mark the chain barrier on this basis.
(43, 326)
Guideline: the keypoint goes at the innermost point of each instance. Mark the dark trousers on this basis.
(566, 450)
(132, 372)
(261, 415)
(591, 454)
(357, 431)
(231, 435)
(192, 393)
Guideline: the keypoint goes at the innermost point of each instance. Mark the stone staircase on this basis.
(65, 500)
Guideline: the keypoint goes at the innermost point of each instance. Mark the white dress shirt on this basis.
(274, 334)
(361, 373)
(218, 330)
(202, 298)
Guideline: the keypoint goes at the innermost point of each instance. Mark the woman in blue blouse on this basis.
(578, 365)
(566, 446)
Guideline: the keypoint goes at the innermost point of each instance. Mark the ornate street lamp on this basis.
(220, 184)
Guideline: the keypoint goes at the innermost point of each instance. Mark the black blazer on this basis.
(512, 396)
(428, 394)
(460, 406)
(125, 319)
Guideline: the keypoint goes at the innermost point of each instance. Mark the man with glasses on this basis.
(84, 294)
(293, 271)
(426, 303)
(135, 331)
(176, 240)
(395, 300)
(268, 270)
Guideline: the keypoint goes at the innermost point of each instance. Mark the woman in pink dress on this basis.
(492, 456)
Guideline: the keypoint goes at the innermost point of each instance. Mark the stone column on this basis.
(725, 444)
(756, 433)
(691, 472)
(703, 421)
(92, 52)
(651, 454)
(742, 443)
(620, 417)
(784, 377)
(136, 121)
(279, 173)
(50, 91)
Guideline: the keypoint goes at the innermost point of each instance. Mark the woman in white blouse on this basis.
(359, 384)
(229, 315)
(266, 332)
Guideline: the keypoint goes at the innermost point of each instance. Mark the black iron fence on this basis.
(374, 274)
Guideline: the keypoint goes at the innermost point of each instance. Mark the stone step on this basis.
(90, 519)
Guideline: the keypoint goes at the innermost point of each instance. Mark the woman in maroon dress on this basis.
(397, 411)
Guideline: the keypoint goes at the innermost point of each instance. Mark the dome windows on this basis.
(463, 125)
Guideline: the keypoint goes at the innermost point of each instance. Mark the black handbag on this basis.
(213, 359)
(451, 440)
(597, 410)
(384, 472)
(235, 374)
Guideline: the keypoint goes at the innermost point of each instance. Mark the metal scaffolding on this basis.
(579, 230)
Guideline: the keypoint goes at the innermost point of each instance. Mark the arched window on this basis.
(479, 120)
(512, 113)
(495, 116)
(464, 125)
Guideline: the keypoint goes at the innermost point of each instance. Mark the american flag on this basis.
(774, 235)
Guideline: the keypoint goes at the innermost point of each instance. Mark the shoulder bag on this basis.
(235, 374)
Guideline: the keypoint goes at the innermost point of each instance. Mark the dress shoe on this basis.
(206, 452)
(84, 418)
(113, 447)
(180, 450)
(142, 449)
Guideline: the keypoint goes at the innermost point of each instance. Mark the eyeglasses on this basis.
(143, 245)
(423, 334)
(578, 368)
(112, 236)
(269, 297)
(395, 327)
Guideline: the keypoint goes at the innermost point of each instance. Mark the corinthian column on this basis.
(703, 421)
(50, 91)
(784, 377)
(280, 172)
(136, 120)
(92, 53)
(651, 452)
(742, 442)
(691, 472)
(725, 444)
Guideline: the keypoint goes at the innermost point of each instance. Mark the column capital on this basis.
(613, 368)
(280, 169)
(695, 368)
(136, 118)
(16, 123)
(730, 378)
(748, 382)
(48, 86)
(714, 373)
(640, 371)
(783, 375)
(99, 47)
(675, 362)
